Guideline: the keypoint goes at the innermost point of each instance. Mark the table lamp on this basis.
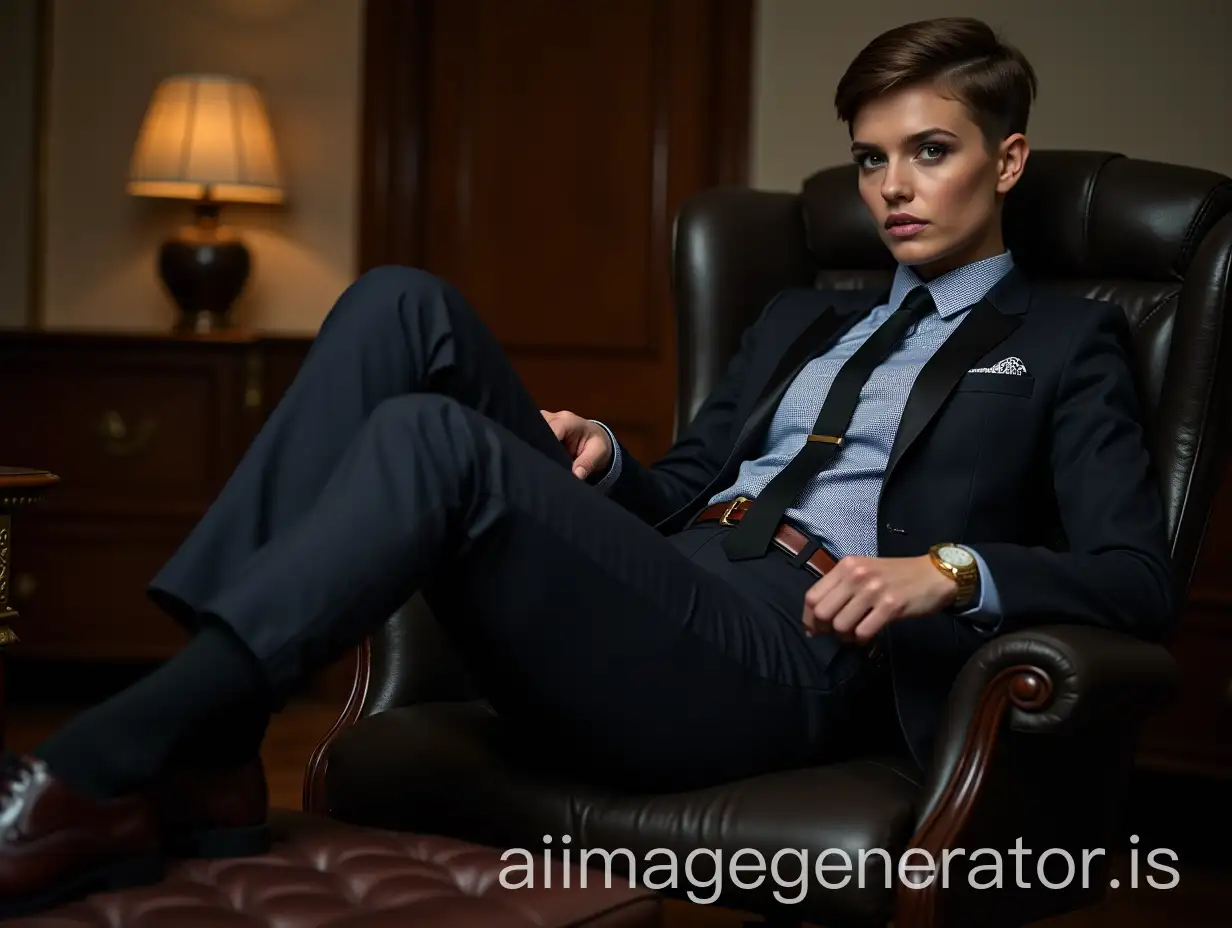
(205, 137)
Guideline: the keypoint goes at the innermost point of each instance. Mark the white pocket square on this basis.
(1005, 366)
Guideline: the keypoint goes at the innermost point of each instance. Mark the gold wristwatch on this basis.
(958, 564)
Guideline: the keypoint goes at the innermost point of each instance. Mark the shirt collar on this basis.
(954, 290)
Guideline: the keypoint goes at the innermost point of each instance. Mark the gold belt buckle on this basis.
(725, 519)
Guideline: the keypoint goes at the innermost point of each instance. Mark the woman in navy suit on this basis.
(876, 487)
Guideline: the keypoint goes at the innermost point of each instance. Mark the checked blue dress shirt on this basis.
(839, 507)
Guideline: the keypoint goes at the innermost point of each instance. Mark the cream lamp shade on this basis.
(206, 137)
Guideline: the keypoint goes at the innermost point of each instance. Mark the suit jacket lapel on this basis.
(986, 326)
(814, 340)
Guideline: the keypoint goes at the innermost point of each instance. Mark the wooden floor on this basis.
(1203, 899)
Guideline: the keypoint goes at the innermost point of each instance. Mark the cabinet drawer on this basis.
(79, 589)
(124, 429)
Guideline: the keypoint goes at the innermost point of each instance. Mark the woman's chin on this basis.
(913, 252)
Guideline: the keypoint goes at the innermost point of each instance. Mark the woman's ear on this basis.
(1012, 156)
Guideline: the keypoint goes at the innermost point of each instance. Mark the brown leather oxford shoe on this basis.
(213, 813)
(57, 845)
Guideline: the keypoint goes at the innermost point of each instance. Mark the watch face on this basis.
(952, 554)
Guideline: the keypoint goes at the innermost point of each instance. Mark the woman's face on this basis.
(930, 181)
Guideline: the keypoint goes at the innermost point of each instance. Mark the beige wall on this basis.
(107, 56)
(1147, 78)
(19, 42)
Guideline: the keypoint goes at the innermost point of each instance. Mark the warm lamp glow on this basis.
(206, 137)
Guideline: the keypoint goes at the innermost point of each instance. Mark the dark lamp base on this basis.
(204, 268)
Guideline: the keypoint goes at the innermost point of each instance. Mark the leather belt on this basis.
(786, 538)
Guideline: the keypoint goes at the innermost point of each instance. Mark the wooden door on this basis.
(534, 153)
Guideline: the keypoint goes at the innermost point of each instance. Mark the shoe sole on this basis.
(220, 843)
(113, 876)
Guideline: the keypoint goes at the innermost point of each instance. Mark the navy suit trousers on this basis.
(408, 457)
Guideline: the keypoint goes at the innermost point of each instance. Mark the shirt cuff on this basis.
(604, 484)
(987, 612)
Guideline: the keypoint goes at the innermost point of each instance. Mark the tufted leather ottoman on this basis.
(322, 873)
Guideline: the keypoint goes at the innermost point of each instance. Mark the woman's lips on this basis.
(907, 229)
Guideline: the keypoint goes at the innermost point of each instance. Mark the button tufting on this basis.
(323, 873)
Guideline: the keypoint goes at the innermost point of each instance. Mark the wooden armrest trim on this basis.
(1024, 687)
(314, 774)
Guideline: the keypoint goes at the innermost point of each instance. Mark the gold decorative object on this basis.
(5, 523)
(19, 488)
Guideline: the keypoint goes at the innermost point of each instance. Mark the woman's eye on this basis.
(933, 152)
(869, 160)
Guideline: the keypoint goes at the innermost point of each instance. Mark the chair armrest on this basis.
(411, 661)
(1037, 741)
(1055, 679)
(406, 661)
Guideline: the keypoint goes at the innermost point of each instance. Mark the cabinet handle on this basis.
(116, 437)
(24, 586)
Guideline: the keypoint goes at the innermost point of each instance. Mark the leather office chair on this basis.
(1038, 737)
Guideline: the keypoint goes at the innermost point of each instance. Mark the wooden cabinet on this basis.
(143, 431)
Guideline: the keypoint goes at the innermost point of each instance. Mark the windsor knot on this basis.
(917, 304)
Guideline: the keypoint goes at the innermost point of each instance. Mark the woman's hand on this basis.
(587, 442)
(862, 595)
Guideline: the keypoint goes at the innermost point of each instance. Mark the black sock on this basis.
(120, 745)
(232, 737)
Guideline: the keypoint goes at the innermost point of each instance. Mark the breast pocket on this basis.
(1008, 384)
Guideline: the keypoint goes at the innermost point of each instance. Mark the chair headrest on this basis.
(1086, 214)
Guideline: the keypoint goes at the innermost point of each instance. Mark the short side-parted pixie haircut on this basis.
(962, 57)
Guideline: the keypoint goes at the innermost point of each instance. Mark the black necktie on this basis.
(756, 529)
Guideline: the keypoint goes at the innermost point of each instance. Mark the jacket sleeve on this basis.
(1115, 570)
(653, 492)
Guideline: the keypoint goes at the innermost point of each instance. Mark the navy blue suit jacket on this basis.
(1048, 474)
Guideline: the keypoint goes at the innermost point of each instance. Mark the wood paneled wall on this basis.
(535, 154)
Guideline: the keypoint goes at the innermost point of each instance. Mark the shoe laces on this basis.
(16, 774)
